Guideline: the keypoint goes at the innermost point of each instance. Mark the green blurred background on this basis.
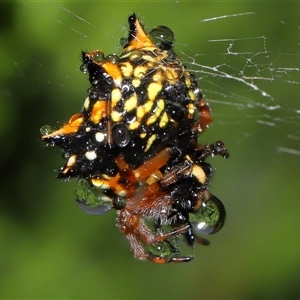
(51, 249)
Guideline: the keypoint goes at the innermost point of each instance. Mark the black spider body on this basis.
(134, 145)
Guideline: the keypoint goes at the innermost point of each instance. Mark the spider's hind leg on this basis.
(146, 245)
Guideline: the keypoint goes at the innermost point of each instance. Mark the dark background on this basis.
(50, 249)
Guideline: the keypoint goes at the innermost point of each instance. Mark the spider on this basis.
(134, 146)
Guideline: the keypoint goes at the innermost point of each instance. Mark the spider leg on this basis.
(204, 116)
(218, 148)
(140, 253)
(139, 234)
(178, 259)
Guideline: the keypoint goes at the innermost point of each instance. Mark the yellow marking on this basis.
(98, 111)
(125, 55)
(136, 82)
(188, 158)
(72, 127)
(137, 173)
(150, 142)
(157, 76)
(191, 108)
(192, 95)
(140, 39)
(130, 103)
(101, 183)
(153, 89)
(163, 120)
(140, 72)
(161, 104)
(149, 58)
(154, 177)
(171, 75)
(135, 54)
(70, 163)
(116, 116)
(188, 81)
(126, 69)
(114, 71)
(157, 112)
(140, 112)
(105, 176)
(160, 107)
(149, 48)
(142, 135)
(152, 118)
(110, 183)
(115, 97)
(198, 172)
(120, 191)
(134, 125)
(147, 106)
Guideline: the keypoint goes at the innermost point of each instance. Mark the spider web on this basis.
(257, 79)
(250, 79)
(246, 58)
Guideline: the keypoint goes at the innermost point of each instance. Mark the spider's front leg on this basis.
(205, 151)
(205, 117)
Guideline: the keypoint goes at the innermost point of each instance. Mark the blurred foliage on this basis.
(50, 249)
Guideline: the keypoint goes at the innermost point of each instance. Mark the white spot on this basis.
(90, 155)
(86, 103)
(122, 193)
(99, 136)
(71, 161)
(87, 129)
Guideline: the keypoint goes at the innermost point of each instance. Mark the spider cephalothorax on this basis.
(134, 145)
